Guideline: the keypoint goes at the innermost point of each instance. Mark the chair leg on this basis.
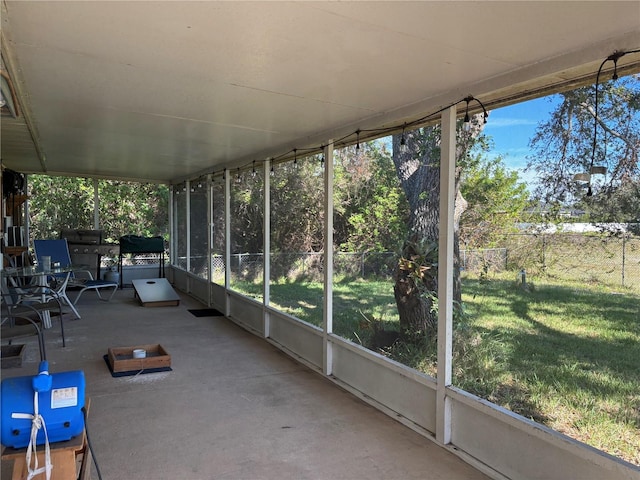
(61, 314)
(115, 287)
(113, 292)
(78, 296)
(41, 345)
(40, 334)
(64, 342)
(63, 296)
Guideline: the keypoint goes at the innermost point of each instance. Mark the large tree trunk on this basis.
(416, 279)
(419, 177)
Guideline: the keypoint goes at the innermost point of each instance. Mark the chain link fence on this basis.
(306, 265)
(607, 260)
(483, 259)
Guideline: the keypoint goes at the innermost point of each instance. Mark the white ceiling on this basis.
(162, 91)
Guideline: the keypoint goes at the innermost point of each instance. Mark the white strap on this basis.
(37, 422)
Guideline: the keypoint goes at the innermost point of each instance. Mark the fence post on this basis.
(624, 243)
(506, 254)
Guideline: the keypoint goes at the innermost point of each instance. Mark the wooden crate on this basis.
(121, 358)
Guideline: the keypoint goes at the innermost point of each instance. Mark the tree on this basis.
(125, 207)
(564, 145)
(133, 208)
(247, 212)
(297, 218)
(369, 203)
(496, 199)
(59, 202)
(617, 205)
(418, 168)
(297, 213)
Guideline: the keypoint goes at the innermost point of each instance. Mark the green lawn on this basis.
(565, 355)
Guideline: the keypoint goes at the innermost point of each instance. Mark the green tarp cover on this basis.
(137, 244)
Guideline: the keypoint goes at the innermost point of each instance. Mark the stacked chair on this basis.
(23, 313)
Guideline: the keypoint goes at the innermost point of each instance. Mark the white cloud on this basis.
(517, 151)
(510, 122)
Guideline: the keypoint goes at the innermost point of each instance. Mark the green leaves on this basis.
(125, 207)
(496, 199)
(370, 205)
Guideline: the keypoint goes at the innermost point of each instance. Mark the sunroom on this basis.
(219, 100)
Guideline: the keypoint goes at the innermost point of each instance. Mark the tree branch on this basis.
(588, 108)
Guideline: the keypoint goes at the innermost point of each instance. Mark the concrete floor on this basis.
(234, 407)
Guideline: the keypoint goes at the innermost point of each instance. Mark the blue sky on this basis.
(512, 127)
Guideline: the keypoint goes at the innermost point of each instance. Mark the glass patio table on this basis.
(20, 276)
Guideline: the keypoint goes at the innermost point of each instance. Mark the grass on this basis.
(597, 260)
(566, 355)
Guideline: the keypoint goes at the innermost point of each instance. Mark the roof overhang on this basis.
(161, 91)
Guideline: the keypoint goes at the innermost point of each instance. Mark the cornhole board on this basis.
(155, 292)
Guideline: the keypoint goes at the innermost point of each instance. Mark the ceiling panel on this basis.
(162, 91)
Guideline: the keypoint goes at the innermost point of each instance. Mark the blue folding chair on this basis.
(58, 250)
